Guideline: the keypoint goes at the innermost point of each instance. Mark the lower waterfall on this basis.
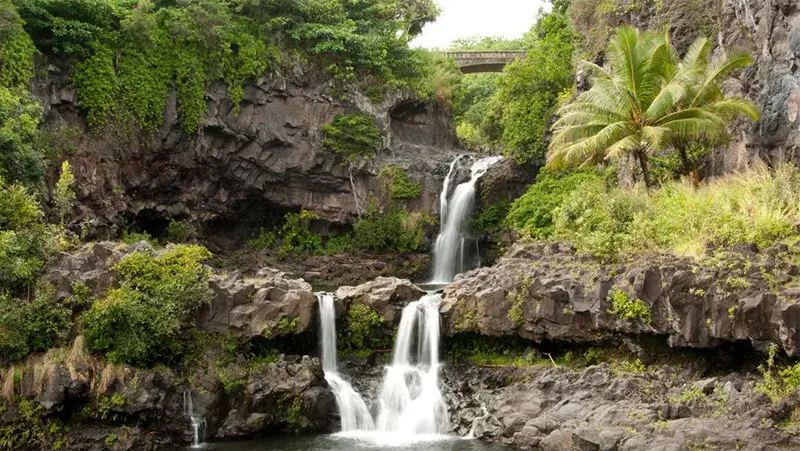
(410, 400)
(352, 410)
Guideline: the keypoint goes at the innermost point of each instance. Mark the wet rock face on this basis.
(600, 408)
(547, 292)
(243, 170)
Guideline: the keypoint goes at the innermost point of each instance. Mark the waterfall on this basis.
(198, 423)
(445, 189)
(410, 401)
(352, 409)
(448, 254)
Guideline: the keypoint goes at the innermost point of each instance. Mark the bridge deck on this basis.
(471, 62)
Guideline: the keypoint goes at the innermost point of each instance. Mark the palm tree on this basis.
(645, 101)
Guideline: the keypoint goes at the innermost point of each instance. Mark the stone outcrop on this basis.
(547, 292)
(268, 305)
(385, 295)
(237, 401)
(244, 170)
(604, 408)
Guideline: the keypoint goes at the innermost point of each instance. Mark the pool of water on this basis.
(357, 441)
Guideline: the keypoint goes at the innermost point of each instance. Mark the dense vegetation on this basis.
(514, 110)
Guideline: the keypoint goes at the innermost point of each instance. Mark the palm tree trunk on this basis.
(685, 165)
(641, 155)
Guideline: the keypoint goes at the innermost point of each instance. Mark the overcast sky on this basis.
(465, 18)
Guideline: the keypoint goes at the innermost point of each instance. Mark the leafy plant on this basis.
(29, 326)
(352, 136)
(357, 335)
(144, 321)
(397, 184)
(64, 194)
(393, 230)
(628, 309)
(665, 100)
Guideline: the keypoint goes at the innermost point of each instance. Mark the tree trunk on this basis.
(642, 157)
(686, 166)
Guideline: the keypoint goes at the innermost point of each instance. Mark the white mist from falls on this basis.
(352, 410)
(449, 254)
(410, 401)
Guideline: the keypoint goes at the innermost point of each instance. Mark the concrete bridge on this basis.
(476, 62)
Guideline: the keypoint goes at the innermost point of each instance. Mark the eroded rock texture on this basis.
(547, 292)
(243, 170)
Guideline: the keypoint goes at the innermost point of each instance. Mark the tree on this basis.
(64, 194)
(644, 101)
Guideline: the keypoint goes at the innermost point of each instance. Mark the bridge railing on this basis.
(486, 54)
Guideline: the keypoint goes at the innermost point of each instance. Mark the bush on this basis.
(352, 136)
(532, 213)
(146, 319)
(25, 242)
(397, 185)
(357, 335)
(295, 237)
(30, 326)
(627, 309)
(393, 230)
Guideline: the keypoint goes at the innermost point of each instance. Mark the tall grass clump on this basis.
(758, 206)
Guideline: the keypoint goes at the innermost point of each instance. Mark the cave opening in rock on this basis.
(149, 221)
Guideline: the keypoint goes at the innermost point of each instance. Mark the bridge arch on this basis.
(473, 62)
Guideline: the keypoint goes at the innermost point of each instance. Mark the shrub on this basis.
(25, 242)
(396, 183)
(145, 320)
(357, 335)
(30, 326)
(64, 195)
(180, 232)
(352, 136)
(597, 221)
(393, 230)
(628, 309)
(532, 213)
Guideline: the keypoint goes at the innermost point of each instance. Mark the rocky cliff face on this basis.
(243, 170)
(547, 292)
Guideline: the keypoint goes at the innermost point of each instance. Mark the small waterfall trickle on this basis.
(198, 423)
(410, 400)
(352, 410)
(445, 189)
(449, 252)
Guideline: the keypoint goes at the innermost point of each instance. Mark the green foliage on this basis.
(30, 326)
(19, 118)
(597, 221)
(295, 238)
(393, 230)
(64, 195)
(396, 183)
(28, 431)
(358, 333)
(628, 309)
(129, 238)
(180, 232)
(689, 394)
(352, 136)
(95, 80)
(532, 213)
(16, 49)
(671, 102)
(25, 242)
(517, 298)
(144, 321)
(778, 381)
(530, 88)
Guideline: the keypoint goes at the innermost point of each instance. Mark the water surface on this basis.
(356, 441)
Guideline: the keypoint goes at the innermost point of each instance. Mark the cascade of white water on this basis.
(410, 400)
(352, 409)
(198, 423)
(454, 214)
(445, 188)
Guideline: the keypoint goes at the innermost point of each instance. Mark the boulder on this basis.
(386, 295)
(269, 304)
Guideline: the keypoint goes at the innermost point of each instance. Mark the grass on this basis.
(757, 206)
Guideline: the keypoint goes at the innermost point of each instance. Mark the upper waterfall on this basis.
(450, 252)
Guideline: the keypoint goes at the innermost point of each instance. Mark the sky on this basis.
(465, 18)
